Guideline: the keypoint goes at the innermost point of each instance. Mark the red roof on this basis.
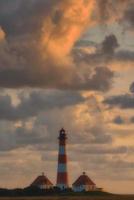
(83, 180)
(41, 180)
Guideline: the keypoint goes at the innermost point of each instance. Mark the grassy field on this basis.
(113, 197)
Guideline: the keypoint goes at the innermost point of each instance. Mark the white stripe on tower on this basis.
(61, 150)
(62, 167)
(62, 174)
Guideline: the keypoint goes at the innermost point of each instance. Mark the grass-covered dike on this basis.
(56, 194)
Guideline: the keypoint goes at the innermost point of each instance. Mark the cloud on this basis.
(41, 132)
(124, 56)
(40, 139)
(19, 17)
(37, 102)
(132, 88)
(26, 16)
(102, 150)
(118, 120)
(124, 101)
(103, 52)
(107, 52)
(128, 18)
(53, 77)
(2, 35)
(111, 10)
(109, 45)
(100, 135)
(21, 137)
(132, 120)
(65, 26)
(38, 50)
(122, 164)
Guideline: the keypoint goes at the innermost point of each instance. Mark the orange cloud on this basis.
(66, 24)
(2, 34)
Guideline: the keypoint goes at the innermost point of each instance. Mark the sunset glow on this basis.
(67, 64)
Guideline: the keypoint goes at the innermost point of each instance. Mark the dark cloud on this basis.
(101, 80)
(24, 15)
(132, 88)
(118, 120)
(52, 77)
(24, 137)
(94, 135)
(132, 120)
(104, 53)
(43, 136)
(37, 102)
(19, 17)
(109, 45)
(128, 18)
(124, 101)
(124, 55)
(103, 150)
(20, 137)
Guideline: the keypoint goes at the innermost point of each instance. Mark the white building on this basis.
(42, 182)
(84, 183)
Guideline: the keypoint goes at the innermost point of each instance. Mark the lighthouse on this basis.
(62, 174)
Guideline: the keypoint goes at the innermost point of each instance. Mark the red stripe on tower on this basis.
(62, 174)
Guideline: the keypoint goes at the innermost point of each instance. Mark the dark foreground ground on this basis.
(111, 197)
(34, 193)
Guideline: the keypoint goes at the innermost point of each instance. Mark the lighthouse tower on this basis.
(62, 175)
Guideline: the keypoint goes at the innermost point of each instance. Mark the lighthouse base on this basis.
(62, 186)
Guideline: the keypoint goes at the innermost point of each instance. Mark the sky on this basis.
(68, 64)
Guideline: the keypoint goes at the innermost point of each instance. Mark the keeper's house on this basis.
(84, 183)
(42, 182)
